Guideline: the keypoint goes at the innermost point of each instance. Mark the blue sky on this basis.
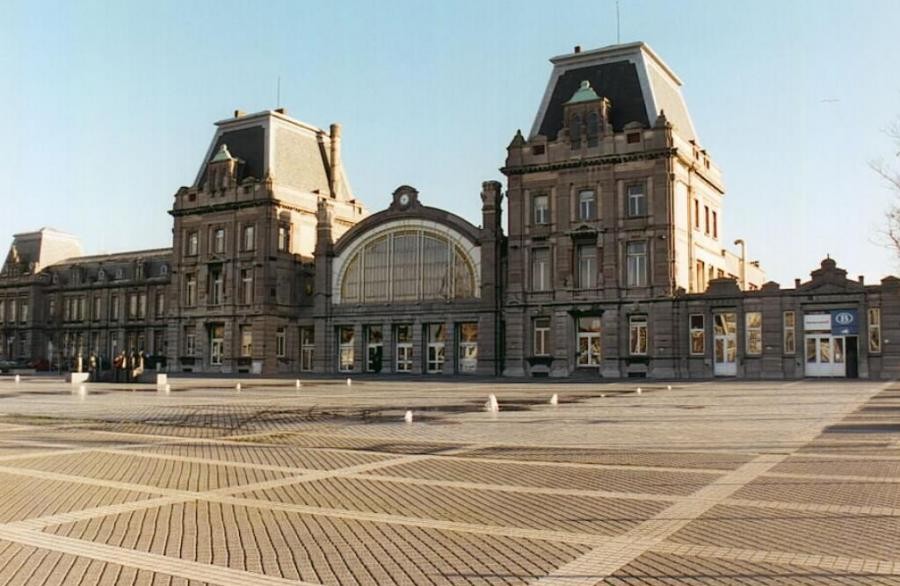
(107, 107)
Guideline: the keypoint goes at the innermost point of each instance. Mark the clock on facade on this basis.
(404, 199)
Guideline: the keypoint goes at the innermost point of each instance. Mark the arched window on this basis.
(593, 129)
(408, 265)
(575, 131)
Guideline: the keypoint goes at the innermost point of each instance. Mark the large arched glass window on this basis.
(408, 265)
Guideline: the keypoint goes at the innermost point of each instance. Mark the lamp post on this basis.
(743, 275)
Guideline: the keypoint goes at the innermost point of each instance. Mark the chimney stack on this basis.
(862, 279)
(796, 283)
(578, 48)
(335, 159)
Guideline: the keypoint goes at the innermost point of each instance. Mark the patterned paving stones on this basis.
(718, 482)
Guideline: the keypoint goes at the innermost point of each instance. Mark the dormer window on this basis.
(575, 131)
(587, 115)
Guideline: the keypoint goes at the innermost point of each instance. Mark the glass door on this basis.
(825, 355)
(437, 338)
(725, 344)
(589, 341)
(374, 345)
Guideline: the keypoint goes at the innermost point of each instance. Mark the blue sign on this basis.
(844, 322)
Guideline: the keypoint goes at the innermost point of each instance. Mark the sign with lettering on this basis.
(817, 322)
(844, 322)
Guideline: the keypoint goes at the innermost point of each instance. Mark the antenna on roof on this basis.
(278, 93)
(618, 27)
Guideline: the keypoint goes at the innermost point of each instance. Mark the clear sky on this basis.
(106, 108)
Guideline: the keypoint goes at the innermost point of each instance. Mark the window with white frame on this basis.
(790, 332)
(468, 347)
(216, 344)
(280, 343)
(284, 237)
(218, 240)
(307, 348)
(587, 265)
(753, 332)
(587, 205)
(345, 348)
(874, 323)
(192, 244)
(540, 269)
(246, 286)
(637, 200)
(541, 208)
(190, 341)
(541, 336)
(698, 334)
(248, 237)
(637, 335)
(636, 263)
(404, 347)
(246, 341)
(216, 285)
(190, 289)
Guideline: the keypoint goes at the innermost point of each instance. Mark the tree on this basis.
(891, 175)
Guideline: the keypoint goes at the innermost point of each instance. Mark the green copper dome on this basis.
(585, 93)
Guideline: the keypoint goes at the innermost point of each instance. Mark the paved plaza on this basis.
(715, 482)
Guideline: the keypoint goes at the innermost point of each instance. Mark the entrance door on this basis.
(825, 355)
(725, 344)
(374, 345)
(589, 347)
(852, 351)
(437, 338)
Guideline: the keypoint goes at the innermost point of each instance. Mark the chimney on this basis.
(238, 113)
(796, 283)
(335, 159)
(578, 48)
(862, 279)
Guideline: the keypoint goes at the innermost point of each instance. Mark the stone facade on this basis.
(613, 263)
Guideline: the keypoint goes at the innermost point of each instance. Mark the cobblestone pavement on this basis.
(715, 482)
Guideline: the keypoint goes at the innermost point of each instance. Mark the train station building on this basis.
(605, 254)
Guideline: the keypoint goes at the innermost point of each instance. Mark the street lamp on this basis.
(743, 245)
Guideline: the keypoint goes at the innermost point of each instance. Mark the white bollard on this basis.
(639, 390)
(602, 396)
(409, 416)
(554, 400)
(297, 384)
(349, 382)
(18, 379)
(668, 387)
(237, 387)
(492, 405)
(168, 388)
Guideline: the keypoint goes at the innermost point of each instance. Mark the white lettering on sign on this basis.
(817, 322)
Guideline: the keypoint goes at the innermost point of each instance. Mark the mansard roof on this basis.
(632, 76)
(272, 144)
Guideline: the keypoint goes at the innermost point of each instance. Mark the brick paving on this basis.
(718, 482)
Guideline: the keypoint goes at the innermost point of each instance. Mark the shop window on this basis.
(698, 334)
(753, 333)
(542, 336)
(468, 347)
(790, 332)
(307, 348)
(280, 343)
(637, 335)
(346, 350)
(216, 345)
(874, 323)
(246, 341)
